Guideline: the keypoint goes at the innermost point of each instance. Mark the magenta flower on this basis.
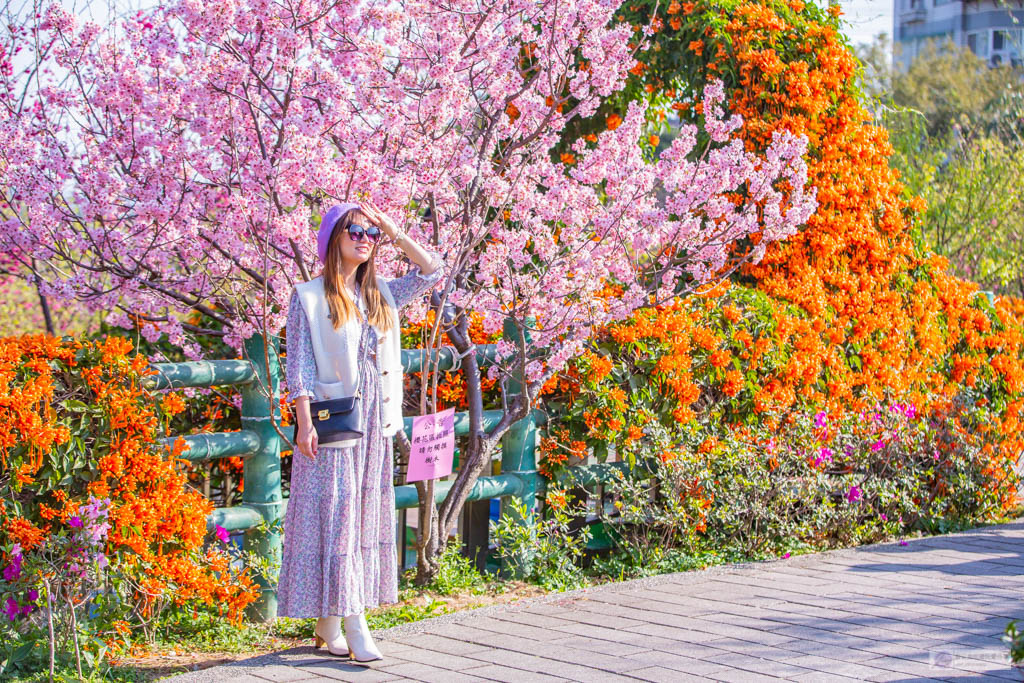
(854, 494)
(13, 571)
(905, 409)
(878, 445)
(33, 595)
(786, 556)
(820, 420)
(902, 542)
(222, 533)
(883, 517)
(11, 608)
(75, 522)
(824, 455)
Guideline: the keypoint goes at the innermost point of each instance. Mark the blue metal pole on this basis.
(519, 457)
(262, 472)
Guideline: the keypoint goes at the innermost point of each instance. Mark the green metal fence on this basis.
(259, 445)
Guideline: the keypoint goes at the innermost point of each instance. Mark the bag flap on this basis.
(321, 410)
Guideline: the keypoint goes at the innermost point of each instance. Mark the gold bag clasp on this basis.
(324, 414)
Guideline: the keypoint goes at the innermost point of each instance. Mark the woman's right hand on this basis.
(307, 441)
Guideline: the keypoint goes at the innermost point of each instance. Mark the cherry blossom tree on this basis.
(174, 161)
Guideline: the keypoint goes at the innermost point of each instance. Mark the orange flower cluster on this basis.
(856, 271)
(451, 389)
(22, 531)
(25, 393)
(158, 522)
(556, 499)
(556, 449)
(852, 308)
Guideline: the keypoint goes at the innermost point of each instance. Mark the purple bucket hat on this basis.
(327, 223)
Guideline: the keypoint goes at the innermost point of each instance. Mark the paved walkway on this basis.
(933, 608)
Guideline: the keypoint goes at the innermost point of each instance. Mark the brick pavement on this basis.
(934, 608)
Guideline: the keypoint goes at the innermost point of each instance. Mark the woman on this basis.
(339, 555)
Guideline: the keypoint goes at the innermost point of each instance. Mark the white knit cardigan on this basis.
(336, 353)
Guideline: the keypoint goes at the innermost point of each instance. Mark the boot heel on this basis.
(360, 642)
(320, 641)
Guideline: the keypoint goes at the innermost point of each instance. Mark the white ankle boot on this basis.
(360, 642)
(328, 630)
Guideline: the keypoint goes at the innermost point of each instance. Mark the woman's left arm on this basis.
(407, 287)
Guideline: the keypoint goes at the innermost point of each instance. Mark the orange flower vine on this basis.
(852, 308)
(74, 422)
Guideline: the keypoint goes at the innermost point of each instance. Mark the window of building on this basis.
(978, 43)
(1006, 46)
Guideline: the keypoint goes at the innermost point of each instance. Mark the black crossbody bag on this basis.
(337, 419)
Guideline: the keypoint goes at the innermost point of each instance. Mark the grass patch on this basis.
(206, 631)
(126, 674)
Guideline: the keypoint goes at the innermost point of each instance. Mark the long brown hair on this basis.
(340, 303)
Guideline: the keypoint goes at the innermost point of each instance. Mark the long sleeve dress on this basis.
(339, 556)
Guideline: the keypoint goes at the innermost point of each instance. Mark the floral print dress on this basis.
(339, 556)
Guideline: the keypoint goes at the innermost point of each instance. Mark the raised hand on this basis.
(379, 218)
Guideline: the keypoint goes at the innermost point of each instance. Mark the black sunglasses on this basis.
(357, 232)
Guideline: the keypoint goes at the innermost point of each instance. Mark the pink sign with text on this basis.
(433, 446)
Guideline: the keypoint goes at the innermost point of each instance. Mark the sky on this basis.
(867, 18)
(864, 18)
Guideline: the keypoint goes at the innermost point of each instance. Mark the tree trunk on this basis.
(43, 303)
(436, 522)
(427, 550)
(429, 545)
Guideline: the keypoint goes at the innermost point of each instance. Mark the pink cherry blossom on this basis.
(176, 161)
(173, 162)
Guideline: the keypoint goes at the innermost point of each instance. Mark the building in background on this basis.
(986, 27)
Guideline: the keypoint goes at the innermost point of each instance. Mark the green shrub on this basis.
(1014, 637)
(544, 551)
(456, 573)
(818, 482)
(100, 531)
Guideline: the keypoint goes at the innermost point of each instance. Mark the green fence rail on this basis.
(260, 446)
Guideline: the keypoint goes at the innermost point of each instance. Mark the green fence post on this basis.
(262, 473)
(519, 457)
